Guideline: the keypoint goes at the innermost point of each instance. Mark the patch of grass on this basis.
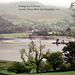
(73, 28)
(59, 73)
(48, 20)
(6, 72)
(53, 32)
(56, 73)
(15, 35)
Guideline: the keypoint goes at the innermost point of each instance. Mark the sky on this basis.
(62, 3)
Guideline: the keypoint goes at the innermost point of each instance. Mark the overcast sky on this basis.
(63, 3)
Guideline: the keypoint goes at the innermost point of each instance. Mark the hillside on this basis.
(34, 18)
(6, 26)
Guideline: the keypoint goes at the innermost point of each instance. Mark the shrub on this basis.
(69, 53)
(64, 67)
(29, 66)
(45, 66)
(33, 71)
(55, 59)
(16, 67)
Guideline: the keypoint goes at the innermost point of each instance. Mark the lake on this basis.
(9, 48)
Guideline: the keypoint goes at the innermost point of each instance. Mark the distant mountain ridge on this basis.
(12, 9)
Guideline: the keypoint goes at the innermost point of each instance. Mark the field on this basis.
(27, 35)
(15, 35)
(73, 28)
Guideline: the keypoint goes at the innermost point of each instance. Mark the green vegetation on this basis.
(45, 25)
(62, 73)
(15, 35)
(69, 53)
(56, 73)
(34, 55)
(6, 26)
(55, 59)
(27, 34)
(48, 20)
(73, 15)
(73, 28)
(42, 32)
(5, 64)
(6, 72)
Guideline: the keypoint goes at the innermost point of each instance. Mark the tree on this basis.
(72, 7)
(62, 33)
(69, 53)
(55, 59)
(43, 32)
(33, 52)
(68, 30)
(45, 66)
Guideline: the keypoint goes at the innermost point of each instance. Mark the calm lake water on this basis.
(9, 49)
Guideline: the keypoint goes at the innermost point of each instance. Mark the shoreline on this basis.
(35, 37)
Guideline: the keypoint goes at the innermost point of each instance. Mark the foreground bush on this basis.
(64, 67)
(69, 53)
(16, 67)
(55, 59)
(45, 66)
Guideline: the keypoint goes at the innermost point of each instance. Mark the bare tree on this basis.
(36, 53)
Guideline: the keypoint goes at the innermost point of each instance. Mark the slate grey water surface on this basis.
(9, 49)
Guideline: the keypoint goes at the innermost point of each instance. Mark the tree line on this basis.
(8, 27)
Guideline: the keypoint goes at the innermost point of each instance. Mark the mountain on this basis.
(35, 14)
